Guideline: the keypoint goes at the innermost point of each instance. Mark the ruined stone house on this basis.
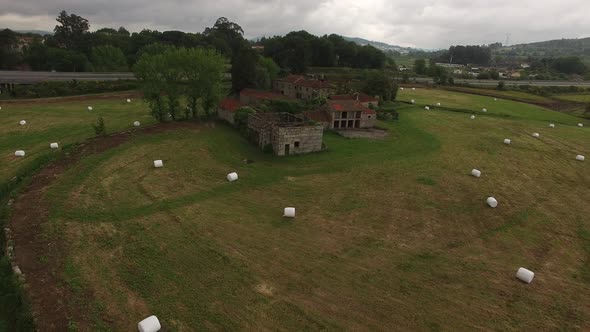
(286, 133)
(300, 87)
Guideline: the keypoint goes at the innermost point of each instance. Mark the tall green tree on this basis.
(420, 66)
(71, 30)
(379, 84)
(203, 70)
(108, 58)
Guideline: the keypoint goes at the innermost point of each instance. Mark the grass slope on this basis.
(389, 235)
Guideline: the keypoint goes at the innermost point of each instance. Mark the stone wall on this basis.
(226, 115)
(368, 120)
(300, 139)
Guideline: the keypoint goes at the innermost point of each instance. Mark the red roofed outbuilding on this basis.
(350, 114)
(362, 98)
(227, 109)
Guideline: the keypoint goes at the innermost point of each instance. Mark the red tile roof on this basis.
(230, 104)
(346, 106)
(261, 94)
(362, 97)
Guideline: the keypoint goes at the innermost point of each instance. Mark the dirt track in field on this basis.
(41, 259)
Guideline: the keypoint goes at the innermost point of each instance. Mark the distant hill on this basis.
(36, 32)
(380, 45)
(550, 48)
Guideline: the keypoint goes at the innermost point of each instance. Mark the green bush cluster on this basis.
(71, 88)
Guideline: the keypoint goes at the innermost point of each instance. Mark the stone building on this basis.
(300, 87)
(286, 133)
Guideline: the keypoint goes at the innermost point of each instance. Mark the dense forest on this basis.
(73, 47)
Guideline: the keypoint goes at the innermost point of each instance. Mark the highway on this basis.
(29, 77)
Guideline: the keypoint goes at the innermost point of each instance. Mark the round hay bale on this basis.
(492, 202)
(90, 108)
(413, 89)
(495, 99)
(19, 153)
(580, 125)
(158, 163)
(525, 275)
(128, 100)
(536, 135)
(412, 101)
(136, 123)
(472, 117)
(53, 145)
(427, 108)
(485, 110)
(150, 324)
(552, 125)
(437, 104)
(22, 122)
(289, 212)
(402, 89)
(476, 172)
(231, 177)
(580, 157)
(507, 141)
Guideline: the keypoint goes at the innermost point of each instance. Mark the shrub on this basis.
(501, 85)
(99, 127)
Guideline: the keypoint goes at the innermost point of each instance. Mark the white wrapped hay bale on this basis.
(19, 153)
(22, 122)
(289, 212)
(492, 202)
(525, 275)
(150, 324)
(136, 123)
(402, 89)
(427, 108)
(437, 104)
(231, 177)
(580, 125)
(472, 117)
(412, 101)
(580, 157)
(90, 108)
(484, 110)
(507, 141)
(128, 100)
(536, 135)
(495, 99)
(552, 125)
(476, 172)
(54, 145)
(413, 89)
(158, 163)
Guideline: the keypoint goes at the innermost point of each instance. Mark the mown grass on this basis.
(508, 94)
(475, 103)
(581, 98)
(390, 235)
(63, 123)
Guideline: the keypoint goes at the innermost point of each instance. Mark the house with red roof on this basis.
(253, 97)
(362, 98)
(349, 114)
(227, 109)
(300, 87)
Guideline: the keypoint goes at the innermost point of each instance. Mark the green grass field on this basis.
(581, 98)
(63, 123)
(389, 235)
(507, 94)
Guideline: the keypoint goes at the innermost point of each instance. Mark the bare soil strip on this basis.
(42, 258)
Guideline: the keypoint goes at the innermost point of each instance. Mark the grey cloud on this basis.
(421, 23)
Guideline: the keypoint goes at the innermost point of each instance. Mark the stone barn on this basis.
(287, 134)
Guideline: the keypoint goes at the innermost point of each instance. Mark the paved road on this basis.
(494, 83)
(27, 77)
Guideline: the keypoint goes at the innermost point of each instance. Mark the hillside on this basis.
(379, 45)
(550, 48)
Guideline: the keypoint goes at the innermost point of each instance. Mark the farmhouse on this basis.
(363, 98)
(297, 86)
(227, 109)
(349, 114)
(286, 133)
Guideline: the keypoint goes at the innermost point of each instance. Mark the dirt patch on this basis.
(40, 258)
(98, 96)
(371, 133)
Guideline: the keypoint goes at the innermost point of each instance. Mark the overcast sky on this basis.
(416, 23)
